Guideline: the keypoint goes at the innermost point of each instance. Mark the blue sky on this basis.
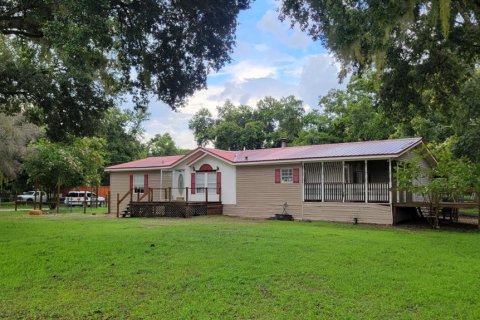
(270, 59)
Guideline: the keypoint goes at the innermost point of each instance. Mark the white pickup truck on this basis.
(76, 198)
(33, 196)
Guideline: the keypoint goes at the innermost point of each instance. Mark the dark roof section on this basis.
(386, 148)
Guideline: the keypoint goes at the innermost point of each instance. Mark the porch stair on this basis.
(426, 213)
(126, 212)
(214, 209)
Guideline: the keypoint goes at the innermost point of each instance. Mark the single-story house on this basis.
(344, 182)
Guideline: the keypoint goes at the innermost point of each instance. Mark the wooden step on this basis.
(214, 208)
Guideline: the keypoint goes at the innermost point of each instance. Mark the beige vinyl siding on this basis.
(412, 154)
(120, 184)
(345, 212)
(259, 196)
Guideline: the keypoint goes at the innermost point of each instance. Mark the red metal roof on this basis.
(335, 150)
(227, 155)
(393, 147)
(150, 162)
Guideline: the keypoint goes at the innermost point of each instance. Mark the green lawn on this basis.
(82, 266)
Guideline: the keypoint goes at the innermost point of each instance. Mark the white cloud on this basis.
(261, 47)
(311, 77)
(319, 75)
(292, 37)
(168, 121)
(245, 70)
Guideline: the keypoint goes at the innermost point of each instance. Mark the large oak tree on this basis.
(64, 62)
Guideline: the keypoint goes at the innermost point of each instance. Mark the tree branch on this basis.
(22, 33)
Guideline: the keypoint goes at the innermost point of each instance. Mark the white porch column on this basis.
(398, 192)
(366, 181)
(323, 182)
(343, 181)
(390, 198)
(303, 182)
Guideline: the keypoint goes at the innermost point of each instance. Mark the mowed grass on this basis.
(76, 266)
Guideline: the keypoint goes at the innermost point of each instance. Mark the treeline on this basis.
(354, 114)
(32, 160)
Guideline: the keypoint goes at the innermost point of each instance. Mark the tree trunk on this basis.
(35, 197)
(58, 194)
(478, 199)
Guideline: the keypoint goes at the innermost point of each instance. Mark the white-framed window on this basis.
(138, 183)
(206, 180)
(286, 175)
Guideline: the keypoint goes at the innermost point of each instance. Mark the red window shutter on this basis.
(296, 175)
(145, 183)
(131, 181)
(277, 175)
(219, 182)
(192, 183)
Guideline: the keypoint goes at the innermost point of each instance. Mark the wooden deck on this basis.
(457, 205)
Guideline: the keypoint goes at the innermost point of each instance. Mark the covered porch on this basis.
(368, 181)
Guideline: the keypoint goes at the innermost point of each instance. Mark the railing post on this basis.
(170, 194)
(206, 195)
(131, 195)
(118, 204)
(186, 194)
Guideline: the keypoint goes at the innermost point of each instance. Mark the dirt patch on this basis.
(464, 223)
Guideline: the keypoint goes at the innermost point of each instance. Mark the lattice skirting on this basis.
(177, 210)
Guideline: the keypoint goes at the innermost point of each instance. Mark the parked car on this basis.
(77, 198)
(31, 196)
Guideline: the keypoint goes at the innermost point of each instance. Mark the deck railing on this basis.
(348, 192)
(164, 195)
(378, 192)
(355, 192)
(333, 191)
